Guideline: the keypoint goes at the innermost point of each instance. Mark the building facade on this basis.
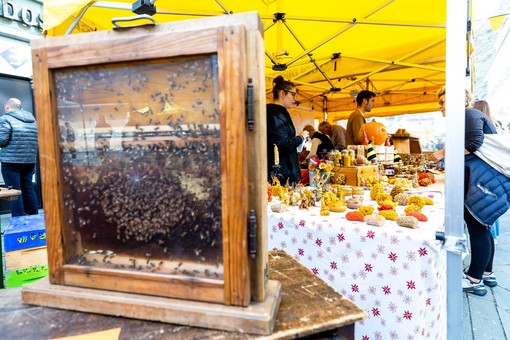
(20, 22)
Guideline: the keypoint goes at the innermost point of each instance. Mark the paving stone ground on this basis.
(488, 317)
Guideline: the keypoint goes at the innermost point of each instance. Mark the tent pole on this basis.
(387, 66)
(304, 73)
(311, 85)
(77, 20)
(325, 108)
(270, 58)
(321, 44)
(223, 7)
(361, 22)
(454, 159)
(400, 63)
(352, 23)
(309, 55)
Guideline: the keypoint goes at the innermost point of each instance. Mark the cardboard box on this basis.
(384, 154)
(23, 266)
(24, 255)
(24, 232)
(354, 174)
(20, 277)
(24, 258)
(406, 145)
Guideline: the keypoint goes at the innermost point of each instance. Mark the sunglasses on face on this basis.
(292, 93)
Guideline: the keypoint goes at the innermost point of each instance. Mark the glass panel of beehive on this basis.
(140, 163)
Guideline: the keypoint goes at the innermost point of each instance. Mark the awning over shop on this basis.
(330, 49)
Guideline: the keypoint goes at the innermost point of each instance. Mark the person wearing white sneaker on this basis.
(482, 253)
(489, 279)
(486, 197)
(477, 288)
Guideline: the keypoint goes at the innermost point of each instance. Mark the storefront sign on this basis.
(28, 16)
(14, 56)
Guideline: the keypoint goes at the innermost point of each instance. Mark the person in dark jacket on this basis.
(70, 139)
(486, 198)
(102, 135)
(483, 106)
(321, 143)
(18, 140)
(282, 134)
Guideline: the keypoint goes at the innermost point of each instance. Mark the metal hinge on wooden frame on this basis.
(250, 105)
(252, 234)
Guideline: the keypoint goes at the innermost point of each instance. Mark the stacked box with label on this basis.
(24, 256)
(384, 154)
(357, 175)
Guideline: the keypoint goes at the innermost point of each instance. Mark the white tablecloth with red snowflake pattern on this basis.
(398, 275)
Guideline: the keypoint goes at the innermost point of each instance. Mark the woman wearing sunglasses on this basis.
(283, 159)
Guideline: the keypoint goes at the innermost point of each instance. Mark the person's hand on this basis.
(304, 134)
(437, 156)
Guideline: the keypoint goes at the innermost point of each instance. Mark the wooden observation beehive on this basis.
(153, 168)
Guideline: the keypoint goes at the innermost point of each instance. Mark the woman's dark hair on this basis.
(281, 84)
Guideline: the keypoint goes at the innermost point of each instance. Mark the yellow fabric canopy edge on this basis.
(55, 12)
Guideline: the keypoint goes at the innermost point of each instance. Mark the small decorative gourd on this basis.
(361, 160)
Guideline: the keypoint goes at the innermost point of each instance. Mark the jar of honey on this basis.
(352, 154)
(346, 191)
(346, 158)
(358, 191)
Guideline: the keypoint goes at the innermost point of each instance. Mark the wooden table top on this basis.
(9, 194)
(308, 306)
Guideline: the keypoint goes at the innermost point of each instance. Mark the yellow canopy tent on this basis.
(330, 49)
(334, 48)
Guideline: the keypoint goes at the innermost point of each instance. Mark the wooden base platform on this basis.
(257, 318)
(309, 308)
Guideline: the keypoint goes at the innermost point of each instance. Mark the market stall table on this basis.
(398, 275)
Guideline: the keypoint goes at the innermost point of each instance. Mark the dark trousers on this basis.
(482, 246)
(19, 176)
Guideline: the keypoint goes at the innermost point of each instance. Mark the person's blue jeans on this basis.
(19, 176)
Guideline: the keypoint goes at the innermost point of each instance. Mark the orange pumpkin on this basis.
(376, 132)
